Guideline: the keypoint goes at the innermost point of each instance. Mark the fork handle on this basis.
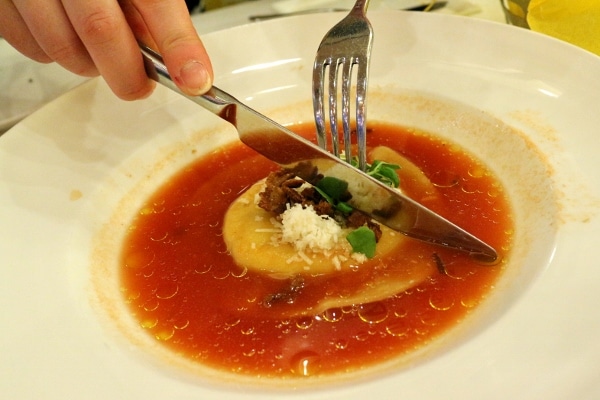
(360, 6)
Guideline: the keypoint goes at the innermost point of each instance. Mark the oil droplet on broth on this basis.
(305, 363)
(373, 313)
(181, 323)
(231, 323)
(203, 269)
(443, 179)
(304, 322)
(457, 273)
(151, 304)
(159, 237)
(138, 260)
(165, 334)
(132, 295)
(247, 331)
(249, 353)
(147, 210)
(240, 274)
(469, 303)
(149, 323)
(477, 172)
(440, 302)
(397, 327)
(167, 290)
(148, 273)
(349, 309)
(222, 275)
(423, 331)
(340, 344)
(493, 193)
(468, 189)
(429, 318)
(361, 336)
(332, 315)
(401, 312)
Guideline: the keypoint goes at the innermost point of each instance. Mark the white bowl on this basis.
(73, 174)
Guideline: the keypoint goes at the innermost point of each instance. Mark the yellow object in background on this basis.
(574, 21)
(212, 4)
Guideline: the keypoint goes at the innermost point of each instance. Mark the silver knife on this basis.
(382, 203)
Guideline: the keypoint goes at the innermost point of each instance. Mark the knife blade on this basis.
(382, 203)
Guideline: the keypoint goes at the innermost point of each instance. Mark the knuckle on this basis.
(63, 52)
(137, 92)
(73, 58)
(99, 26)
(36, 53)
(177, 40)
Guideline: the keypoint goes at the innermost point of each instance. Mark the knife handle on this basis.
(215, 100)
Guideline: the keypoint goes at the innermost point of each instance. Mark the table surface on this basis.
(238, 14)
(26, 85)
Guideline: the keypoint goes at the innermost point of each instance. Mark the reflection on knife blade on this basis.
(262, 17)
(279, 144)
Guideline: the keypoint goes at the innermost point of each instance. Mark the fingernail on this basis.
(194, 77)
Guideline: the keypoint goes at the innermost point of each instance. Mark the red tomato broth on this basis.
(186, 291)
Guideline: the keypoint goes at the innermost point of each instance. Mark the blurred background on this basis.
(206, 5)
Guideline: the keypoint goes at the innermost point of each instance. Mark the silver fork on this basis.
(345, 47)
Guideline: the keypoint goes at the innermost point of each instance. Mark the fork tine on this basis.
(333, 106)
(346, 88)
(361, 112)
(343, 47)
(318, 106)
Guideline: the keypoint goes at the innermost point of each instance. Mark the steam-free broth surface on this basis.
(188, 293)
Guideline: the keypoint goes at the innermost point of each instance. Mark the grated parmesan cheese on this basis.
(310, 234)
(305, 229)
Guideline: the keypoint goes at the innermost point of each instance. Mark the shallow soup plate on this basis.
(73, 174)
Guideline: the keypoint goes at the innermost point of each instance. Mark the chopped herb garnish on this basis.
(334, 187)
(325, 195)
(382, 171)
(363, 241)
(344, 207)
(385, 172)
(333, 191)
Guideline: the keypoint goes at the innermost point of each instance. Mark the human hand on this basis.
(100, 37)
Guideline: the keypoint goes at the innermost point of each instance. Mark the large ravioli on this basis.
(251, 238)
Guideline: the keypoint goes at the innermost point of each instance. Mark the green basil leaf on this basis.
(334, 187)
(344, 207)
(362, 241)
(389, 176)
(325, 195)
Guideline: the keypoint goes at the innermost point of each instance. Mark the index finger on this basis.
(104, 31)
(170, 27)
